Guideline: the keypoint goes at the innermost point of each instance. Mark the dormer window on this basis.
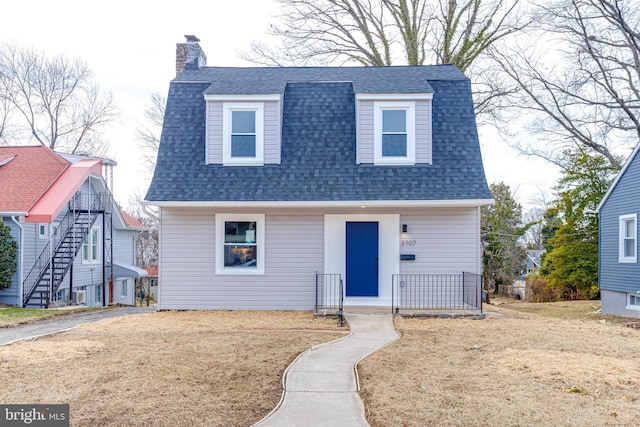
(394, 133)
(243, 133)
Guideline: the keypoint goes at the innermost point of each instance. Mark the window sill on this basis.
(628, 260)
(229, 272)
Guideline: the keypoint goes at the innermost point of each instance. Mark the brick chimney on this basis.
(189, 55)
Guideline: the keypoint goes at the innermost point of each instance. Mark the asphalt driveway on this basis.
(64, 323)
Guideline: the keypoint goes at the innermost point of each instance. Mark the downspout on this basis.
(21, 259)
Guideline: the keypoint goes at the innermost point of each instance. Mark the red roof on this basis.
(152, 271)
(27, 176)
(131, 221)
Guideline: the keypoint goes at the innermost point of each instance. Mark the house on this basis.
(533, 260)
(74, 243)
(271, 182)
(618, 268)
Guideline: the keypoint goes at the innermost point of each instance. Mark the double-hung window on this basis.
(240, 244)
(394, 132)
(628, 245)
(91, 247)
(243, 133)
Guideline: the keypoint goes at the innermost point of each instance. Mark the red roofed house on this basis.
(74, 243)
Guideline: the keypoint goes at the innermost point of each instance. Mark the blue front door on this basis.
(362, 259)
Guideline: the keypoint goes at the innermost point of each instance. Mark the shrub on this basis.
(8, 252)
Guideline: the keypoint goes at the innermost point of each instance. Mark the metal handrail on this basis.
(79, 203)
(462, 291)
(330, 294)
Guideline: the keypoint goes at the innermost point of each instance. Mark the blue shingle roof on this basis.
(318, 161)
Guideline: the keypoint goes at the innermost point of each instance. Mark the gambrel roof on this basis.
(318, 145)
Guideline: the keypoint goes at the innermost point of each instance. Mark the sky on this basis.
(130, 46)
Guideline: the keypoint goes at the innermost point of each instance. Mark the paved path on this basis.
(64, 323)
(321, 387)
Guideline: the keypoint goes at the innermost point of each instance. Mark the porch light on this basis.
(404, 228)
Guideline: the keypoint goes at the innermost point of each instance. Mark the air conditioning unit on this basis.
(80, 297)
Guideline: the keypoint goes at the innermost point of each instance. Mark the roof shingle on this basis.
(320, 165)
(28, 176)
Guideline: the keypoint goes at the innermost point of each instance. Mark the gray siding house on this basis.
(75, 246)
(618, 267)
(268, 178)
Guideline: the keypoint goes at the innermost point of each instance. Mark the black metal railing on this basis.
(329, 294)
(82, 213)
(436, 292)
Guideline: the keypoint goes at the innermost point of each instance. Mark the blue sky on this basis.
(130, 46)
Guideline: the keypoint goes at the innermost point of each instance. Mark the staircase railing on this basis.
(80, 204)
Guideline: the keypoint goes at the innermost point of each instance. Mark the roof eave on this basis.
(323, 203)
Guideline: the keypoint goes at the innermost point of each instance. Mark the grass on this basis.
(13, 316)
(549, 365)
(221, 368)
(568, 310)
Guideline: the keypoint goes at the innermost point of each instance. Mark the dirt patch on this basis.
(518, 369)
(218, 368)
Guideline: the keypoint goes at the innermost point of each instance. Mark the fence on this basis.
(329, 294)
(436, 292)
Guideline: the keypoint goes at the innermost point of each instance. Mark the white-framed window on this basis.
(43, 230)
(628, 249)
(123, 288)
(633, 301)
(240, 241)
(394, 127)
(91, 247)
(243, 133)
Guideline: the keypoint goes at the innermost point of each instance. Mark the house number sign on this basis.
(407, 242)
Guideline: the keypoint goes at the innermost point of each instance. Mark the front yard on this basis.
(169, 368)
(540, 364)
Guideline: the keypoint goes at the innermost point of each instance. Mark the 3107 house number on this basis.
(407, 242)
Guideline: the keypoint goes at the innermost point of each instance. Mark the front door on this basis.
(362, 259)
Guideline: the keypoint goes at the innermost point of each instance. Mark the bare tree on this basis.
(386, 32)
(590, 96)
(55, 101)
(148, 133)
(396, 32)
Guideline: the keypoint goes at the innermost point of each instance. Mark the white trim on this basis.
(618, 177)
(44, 235)
(259, 219)
(9, 213)
(227, 109)
(410, 108)
(622, 220)
(629, 306)
(324, 203)
(394, 96)
(388, 252)
(87, 240)
(243, 98)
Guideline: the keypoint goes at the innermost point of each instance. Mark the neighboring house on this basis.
(74, 244)
(533, 260)
(149, 284)
(618, 267)
(267, 176)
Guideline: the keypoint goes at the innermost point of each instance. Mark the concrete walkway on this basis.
(321, 388)
(64, 323)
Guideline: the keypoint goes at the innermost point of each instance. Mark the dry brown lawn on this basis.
(571, 368)
(221, 368)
